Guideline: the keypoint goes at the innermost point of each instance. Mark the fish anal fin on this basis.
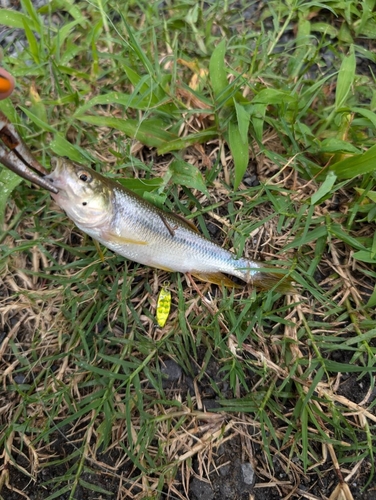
(167, 269)
(216, 278)
(122, 240)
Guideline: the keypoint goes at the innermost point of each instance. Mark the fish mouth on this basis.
(56, 177)
(56, 180)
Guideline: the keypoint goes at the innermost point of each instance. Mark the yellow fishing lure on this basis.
(163, 305)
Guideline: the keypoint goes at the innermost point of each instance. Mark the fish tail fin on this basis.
(267, 280)
(263, 280)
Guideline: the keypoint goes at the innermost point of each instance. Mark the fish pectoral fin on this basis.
(215, 278)
(122, 240)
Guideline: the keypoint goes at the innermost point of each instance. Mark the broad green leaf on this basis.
(243, 117)
(345, 78)
(334, 145)
(188, 175)
(149, 132)
(325, 28)
(8, 181)
(345, 35)
(61, 147)
(240, 152)
(217, 69)
(324, 189)
(356, 165)
(273, 96)
(183, 142)
(15, 19)
(141, 186)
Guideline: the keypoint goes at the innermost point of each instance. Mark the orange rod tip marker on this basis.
(7, 84)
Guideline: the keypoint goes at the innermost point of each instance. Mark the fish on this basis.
(136, 229)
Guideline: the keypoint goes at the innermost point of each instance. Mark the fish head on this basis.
(83, 194)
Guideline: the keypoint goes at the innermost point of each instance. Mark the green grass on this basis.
(180, 103)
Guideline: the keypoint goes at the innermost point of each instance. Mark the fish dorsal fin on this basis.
(215, 278)
(185, 221)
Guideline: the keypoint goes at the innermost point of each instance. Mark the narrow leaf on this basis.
(94, 487)
(370, 115)
(61, 147)
(337, 231)
(8, 181)
(273, 96)
(35, 119)
(149, 132)
(324, 189)
(372, 300)
(239, 151)
(183, 142)
(370, 194)
(114, 98)
(257, 112)
(365, 256)
(33, 44)
(356, 165)
(345, 78)
(217, 69)
(243, 118)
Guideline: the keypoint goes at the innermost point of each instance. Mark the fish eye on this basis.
(84, 176)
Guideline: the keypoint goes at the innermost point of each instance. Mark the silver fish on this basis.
(130, 226)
